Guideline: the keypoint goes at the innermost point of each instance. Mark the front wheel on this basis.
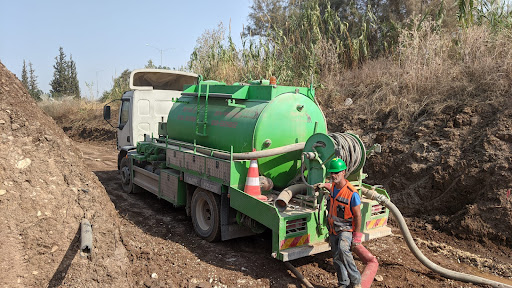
(126, 178)
(206, 214)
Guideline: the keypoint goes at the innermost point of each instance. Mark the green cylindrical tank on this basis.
(285, 119)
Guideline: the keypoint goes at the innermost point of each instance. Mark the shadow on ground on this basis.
(252, 253)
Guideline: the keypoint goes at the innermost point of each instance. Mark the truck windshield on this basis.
(125, 110)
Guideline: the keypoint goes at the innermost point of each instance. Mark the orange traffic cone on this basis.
(252, 182)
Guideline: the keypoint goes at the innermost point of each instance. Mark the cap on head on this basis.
(336, 165)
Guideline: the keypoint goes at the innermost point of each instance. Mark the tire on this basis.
(126, 179)
(206, 214)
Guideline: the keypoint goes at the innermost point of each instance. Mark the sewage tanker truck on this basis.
(205, 154)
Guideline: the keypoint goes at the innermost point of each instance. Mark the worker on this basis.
(344, 223)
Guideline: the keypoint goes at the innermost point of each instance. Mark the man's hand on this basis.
(357, 237)
(319, 186)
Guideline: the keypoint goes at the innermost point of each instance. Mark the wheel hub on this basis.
(125, 175)
(204, 217)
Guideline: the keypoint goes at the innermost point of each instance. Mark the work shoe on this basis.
(357, 286)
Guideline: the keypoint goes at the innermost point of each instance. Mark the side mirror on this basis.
(106, 112)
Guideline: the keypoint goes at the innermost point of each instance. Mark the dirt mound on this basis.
(45, 191)
(86, 133)
(452, 168)
(82, 120)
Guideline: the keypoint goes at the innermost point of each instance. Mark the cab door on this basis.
(124, 137)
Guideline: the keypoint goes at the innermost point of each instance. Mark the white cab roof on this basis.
(161, 79)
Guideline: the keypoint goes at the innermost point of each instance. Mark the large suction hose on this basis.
(245, 155)
(284, 197)
(371, 265)
(383, 200)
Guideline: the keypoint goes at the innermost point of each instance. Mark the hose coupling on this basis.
(373, 195)
(309, 155)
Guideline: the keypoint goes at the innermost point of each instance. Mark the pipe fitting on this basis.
(373, 195)
(85, 238)
(309, 155)
(266, 183)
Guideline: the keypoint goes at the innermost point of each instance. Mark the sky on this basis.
(107, 37)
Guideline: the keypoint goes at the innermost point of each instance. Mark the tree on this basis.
(121, 84)
(73, 84)
(33, 88)
(151, 65)
(24, 77)
(65, 81)
(267, 15)
(58, 83)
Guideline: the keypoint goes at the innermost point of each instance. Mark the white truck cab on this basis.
(148, 102)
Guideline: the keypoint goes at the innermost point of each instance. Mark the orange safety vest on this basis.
(339, 217)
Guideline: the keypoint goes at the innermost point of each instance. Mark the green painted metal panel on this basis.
(262, 212)
(227, 126)
(252, 92)
(238, 175)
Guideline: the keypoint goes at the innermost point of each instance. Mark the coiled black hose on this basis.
(347, 147)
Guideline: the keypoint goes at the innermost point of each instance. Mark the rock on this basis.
(204, 284)
(2, 192)
(22, 164)
(148, 283)
(15, 127)
(505, 136)
(379, 278)
(2, 122)
(38, 213)
(54, 248)
(154, 276)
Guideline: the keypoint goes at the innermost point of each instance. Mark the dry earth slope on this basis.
(451, 168)
(45, 191)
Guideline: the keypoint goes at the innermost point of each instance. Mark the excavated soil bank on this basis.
(453, 168)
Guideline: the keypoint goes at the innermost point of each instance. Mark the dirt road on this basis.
(165, 252)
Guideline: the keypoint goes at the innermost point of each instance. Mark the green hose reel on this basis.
(320, 148)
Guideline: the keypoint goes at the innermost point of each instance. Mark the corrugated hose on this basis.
(450, 274)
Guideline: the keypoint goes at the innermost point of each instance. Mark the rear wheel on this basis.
(206, 214)
(126, 178)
